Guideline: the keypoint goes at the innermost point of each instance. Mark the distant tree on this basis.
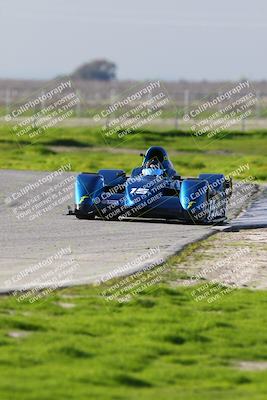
(101, 70)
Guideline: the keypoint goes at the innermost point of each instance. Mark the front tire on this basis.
(80, 215)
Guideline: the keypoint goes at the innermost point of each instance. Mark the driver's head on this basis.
(153, 163)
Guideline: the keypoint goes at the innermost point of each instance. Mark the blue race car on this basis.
(154, 190)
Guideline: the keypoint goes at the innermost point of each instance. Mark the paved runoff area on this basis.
(42, 246)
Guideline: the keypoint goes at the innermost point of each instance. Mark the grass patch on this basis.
(162, 344)
(222, 155)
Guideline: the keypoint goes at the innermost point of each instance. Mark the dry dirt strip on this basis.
(235, 257)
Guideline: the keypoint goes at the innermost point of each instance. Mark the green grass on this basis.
(190, 157)
(162, 344)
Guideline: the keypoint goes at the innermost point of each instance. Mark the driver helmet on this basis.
(153, 163)
(152, 167)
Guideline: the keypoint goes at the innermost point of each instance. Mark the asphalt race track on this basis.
(40, 242)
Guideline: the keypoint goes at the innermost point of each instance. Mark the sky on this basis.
(147, 39)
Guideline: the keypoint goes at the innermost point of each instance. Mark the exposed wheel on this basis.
(79, 215)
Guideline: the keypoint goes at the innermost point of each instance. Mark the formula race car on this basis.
(154, 190)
